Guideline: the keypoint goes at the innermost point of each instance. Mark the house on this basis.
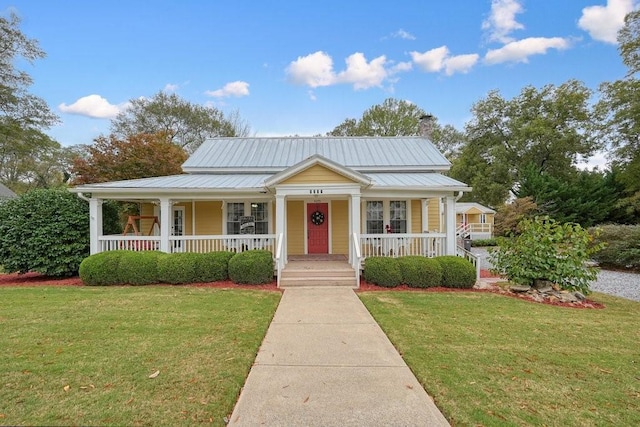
(342, 196)
(474, 220)
(6, 193)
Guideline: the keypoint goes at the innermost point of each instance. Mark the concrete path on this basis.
(326, 362)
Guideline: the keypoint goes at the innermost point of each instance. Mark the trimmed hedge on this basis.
(212, 266)
(457, 272)
(251, 267)
(102, 269)
(484, 242)
(382, 271)
(420, 272)
(178, 268)
(139, 268)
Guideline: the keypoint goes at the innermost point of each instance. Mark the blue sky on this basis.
(302, 67)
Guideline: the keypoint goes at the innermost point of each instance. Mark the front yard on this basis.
(84, 356)
(492, 360)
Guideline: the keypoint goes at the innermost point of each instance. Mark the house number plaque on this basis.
(315, 191)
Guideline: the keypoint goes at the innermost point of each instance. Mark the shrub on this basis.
(102, 269)
(139, 268)
(547, 250)
(457, 272)
(420, 272)
(178, 268)
(46, 231)
(383, 271)
(484, 242)
(622, 246)
(251, 267)
(212, 266)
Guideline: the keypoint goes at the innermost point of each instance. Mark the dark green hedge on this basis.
(420, 272)
(382, 271)
(251, 267)
(139, 268)
(212, 266)
(102, 269)
(622, 248)
(457, 272)
(177, 269)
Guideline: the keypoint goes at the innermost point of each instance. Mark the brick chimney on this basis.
(426, 125)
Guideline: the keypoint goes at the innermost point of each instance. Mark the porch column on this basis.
(450, 224)
(95, 225)
(354, 223)
(165, 224)
(281, 222)
(425, 215)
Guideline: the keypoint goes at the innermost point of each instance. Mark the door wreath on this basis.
(317, 218)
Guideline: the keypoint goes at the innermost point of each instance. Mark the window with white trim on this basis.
(260, 213)
(234, 212)
(483, 218)
(384, 216)
(375, 217)
(258, 210)
(398, 216)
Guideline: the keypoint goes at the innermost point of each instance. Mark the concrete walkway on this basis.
(326, 362)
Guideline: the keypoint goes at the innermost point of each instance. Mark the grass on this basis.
(83, 356)
(493, 360)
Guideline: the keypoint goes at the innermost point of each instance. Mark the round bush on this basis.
(251, 267)
(139, 268)
(457, 272)
(420, 272)
(382, 271)
(102, 269)
(178, 268)
(212, 266)
(46, 231)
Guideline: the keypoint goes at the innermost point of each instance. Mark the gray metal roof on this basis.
(462, 207)
(274, 154)
(217, 182)
(5, 193)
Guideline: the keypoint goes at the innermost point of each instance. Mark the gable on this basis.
(318, 174)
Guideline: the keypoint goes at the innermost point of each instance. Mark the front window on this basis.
(398, 216)
(260, 213)
(375, 217)
(250, 218)
(235, 211)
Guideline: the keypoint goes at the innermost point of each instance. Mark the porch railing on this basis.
(397, 244)
(130, 243)
(279, 258)
(472, 258)
(356, 262)
(473, 228)
(230, 242)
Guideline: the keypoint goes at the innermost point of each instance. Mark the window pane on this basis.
(375, 215)
(398, 216)
(234, 212)
(260, 211)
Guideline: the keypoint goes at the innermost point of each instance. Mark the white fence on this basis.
(396, 244)
(234, 243)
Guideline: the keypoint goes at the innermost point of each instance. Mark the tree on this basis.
(629, 41)
(399, 118)
(138, 156)
(184, 124)
(46, 231)
(549, 128)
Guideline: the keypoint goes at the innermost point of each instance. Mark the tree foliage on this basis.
(629, 41)
(547, 250)
(184, 123)
(399, 118)
(548, 128)
(46, 231)
(510, 215)
(137, 156)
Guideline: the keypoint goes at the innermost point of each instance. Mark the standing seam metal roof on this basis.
(360, 153)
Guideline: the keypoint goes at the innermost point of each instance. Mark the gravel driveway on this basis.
(618, 283)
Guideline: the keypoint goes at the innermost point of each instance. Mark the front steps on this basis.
(298, 274)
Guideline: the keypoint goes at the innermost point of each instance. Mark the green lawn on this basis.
(83, 355)
(493, 360)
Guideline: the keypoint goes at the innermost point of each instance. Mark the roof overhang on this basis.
(317, 159)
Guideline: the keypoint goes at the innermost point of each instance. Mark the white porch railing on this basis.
(230, 242)
(279, 258)
(397, 244)
(474, 229)
(472, 258)
(356, 262)
(130, 243)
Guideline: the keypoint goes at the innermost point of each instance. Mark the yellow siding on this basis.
(317, 174)
(340, 227)
(490, 218)
(473, 218)
(434, 215)
(416, 216)
(473, 211)
(146, 209)
(295, 227)
(208, 218)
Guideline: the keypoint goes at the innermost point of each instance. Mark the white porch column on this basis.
(95, 225)
(425, 215)
(281, 222)
(165, 224)
(450, 224)
(354, 223)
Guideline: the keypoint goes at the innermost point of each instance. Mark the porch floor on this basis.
(318, 270)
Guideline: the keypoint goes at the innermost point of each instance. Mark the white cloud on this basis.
(440, 59)
(603, 22)
(313, 70)
(502, 20)
(363, 74)
(235, 89)
(460, 63)
(170, 87)
(400, 67)
(93, 106)
(519, 51)
(316, 70)
(402, 34)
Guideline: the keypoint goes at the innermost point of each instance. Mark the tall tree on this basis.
(23, 116)
(399, 118)
(184, 123)
(548, 128)
(138, 156)
(629, 41)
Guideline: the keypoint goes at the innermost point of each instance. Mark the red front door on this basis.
(318, 228)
